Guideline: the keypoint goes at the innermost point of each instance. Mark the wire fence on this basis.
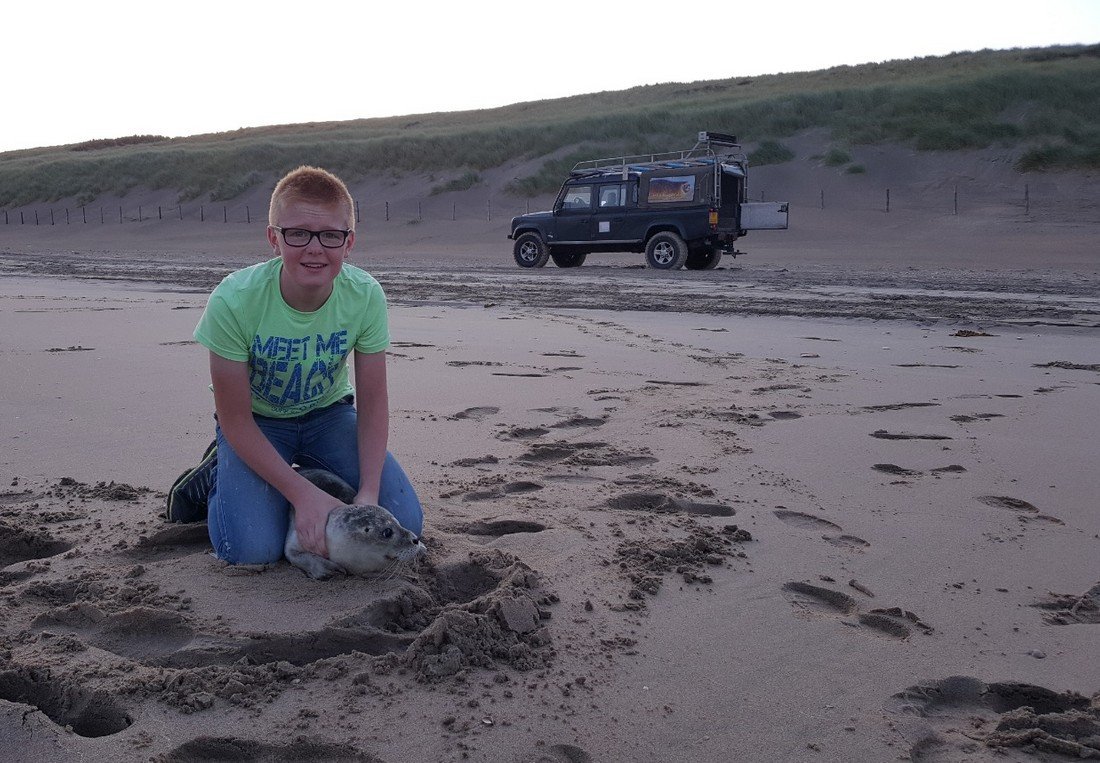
(490, 210)
(1039, 201)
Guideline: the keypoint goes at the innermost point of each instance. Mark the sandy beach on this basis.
(836, 500)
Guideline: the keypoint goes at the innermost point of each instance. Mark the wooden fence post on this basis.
(84, 213)
(248, 213)
(101, 214)
(489, 210)
(454, 208)
(387, 211)
(823, 198)
(66, 215)
(956, 199)
(202, 214)
(1027, 200)
(419, 212)
(51, 215)
(160, 213)
(120, 214)
(36, 217)
(887, 200)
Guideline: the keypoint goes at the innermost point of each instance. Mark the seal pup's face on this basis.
(366, 538)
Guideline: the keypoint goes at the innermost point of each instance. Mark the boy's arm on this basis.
(233, 401)
(373, 421)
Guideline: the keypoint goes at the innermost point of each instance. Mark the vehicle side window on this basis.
(612, 195)
(671, 189)
(577, 197)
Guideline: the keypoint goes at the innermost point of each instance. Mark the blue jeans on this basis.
(248, 519)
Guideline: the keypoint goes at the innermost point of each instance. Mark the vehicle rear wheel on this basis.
(703, 259)
(568, 260)
(530, 251)
(666, 251)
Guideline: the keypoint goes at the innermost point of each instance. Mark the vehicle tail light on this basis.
(713, 219)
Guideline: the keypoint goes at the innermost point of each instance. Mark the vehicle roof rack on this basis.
(710, 148)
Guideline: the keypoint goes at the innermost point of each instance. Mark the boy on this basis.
(279, 335)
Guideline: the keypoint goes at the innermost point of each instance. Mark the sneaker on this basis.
(189, 493)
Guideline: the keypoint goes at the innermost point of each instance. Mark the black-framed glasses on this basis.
(299, 237)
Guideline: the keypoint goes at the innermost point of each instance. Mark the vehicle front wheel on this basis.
(704, 259)
(568, 260)
(530, 251)
(666, 251)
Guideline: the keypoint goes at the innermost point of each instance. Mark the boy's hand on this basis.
(310, 519)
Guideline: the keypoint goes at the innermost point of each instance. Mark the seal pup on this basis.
(361, 538)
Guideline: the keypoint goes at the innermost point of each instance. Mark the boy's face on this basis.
(312, 268)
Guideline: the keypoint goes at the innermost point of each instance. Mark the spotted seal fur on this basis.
(361, 538)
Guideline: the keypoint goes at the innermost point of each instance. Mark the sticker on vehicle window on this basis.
(664, 190)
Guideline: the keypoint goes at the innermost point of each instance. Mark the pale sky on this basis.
(80, 71)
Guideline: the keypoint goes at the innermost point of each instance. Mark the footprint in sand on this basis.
(896, 406)
(477, 413)
(893, 622)
(21, 545)
(785, 415)
(895, 470)
(559, 753)
(805, 521)
(961, 714)
(676, 383)
(967, 418)
(522, 433)
(499, 527)
(511, 488)
(83, 712)
(850, 542)
(659, 503)
(175, 540)
(241, 749)
(574, 422)
(593, 453)
(1065, 609)
(142, 634)
(476, 461)
(1026, 511)
(882, 434)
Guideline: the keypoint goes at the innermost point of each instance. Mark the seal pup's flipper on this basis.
(317, 567)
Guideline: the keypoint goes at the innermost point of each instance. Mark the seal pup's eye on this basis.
(387, 533)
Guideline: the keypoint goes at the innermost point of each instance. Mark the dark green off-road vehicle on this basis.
(683, 208)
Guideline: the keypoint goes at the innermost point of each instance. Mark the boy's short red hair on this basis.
(311, 184)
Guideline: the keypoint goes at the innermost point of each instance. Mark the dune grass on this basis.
(1045, 101)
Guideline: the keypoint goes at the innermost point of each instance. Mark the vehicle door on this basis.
(573, 214)
(615, 218)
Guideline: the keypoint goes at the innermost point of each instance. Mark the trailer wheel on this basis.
(703, 259)
(530, 251)
(568, 260)
(666, 251)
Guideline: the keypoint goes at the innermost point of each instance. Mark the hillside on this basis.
(1041, 105)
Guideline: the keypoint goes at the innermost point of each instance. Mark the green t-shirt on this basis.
(297, 362)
